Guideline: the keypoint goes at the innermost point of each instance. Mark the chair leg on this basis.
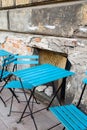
(13, 93)
(12, 98)
(35, 98)
(11, 106)
(3, 101)
(28, 105)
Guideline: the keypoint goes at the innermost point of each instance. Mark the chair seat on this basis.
(5, 74)
(16, 84)
(70, 116)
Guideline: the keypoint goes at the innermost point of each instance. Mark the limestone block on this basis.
(48, 1)
(6, 3)
(3, 20)
(56, 19)
(21, 2)
(81, 32)
(20, 19)
(0, 3)
(84, 14)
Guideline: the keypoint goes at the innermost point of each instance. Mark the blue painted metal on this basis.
(85, 80)
(4, 75)
(70, 116)
(27, 56)
(26, 59)
(17, 84)
(8, 60)
(4, 53)
(42, 74)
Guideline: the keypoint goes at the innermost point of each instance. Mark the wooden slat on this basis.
(80, 116)
(26, 59)
(71, 117)
(27, 56)
(67, 118)
(60, 118)
(49, 79)
(26, 62)
(42, 74)
(17, 84)
(4, 53)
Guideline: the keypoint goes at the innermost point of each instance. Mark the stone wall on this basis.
(14, 3)
(60, 26)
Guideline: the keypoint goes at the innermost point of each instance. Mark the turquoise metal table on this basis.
(39, 75)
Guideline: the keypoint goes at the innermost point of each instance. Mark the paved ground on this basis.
(44, 119)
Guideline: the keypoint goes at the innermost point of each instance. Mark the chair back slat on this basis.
(27, 56)
(26, 59)
(25, 62)
(5, 64)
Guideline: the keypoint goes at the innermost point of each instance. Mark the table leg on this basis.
(81, 95)
(14, 95)
(28, 105)
(54, 98)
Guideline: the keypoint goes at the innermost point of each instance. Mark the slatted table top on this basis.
(42, 74)
(4, 53)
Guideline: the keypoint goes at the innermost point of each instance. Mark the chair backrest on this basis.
(26, 59)
(8, 60)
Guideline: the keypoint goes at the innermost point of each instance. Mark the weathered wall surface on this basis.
(65, 23)
(55, 19)
(13, 3)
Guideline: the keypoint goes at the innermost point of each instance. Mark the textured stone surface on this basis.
(20, 19)
(0, 3)
(21, 2)
(76, 49)
(3, 20)
(84, 14)
(62, 19)
(6, 3)
(12, 3)
(57, 19)
(81, 32)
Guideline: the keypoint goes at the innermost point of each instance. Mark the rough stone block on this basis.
(21, 2)
(0, 3)
(6, 3)
(48, 1)
(20, 20)
(57, 19)
(3, 20)
(84, 14)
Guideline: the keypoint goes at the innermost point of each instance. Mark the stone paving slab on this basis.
(44, 119)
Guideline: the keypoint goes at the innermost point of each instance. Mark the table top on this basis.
(4, 53)
(42, 74)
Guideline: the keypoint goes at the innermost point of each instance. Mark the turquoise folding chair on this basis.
(4, 74)
(71, 116)
(16, 84)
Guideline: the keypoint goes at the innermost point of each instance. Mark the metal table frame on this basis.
(39, 75)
